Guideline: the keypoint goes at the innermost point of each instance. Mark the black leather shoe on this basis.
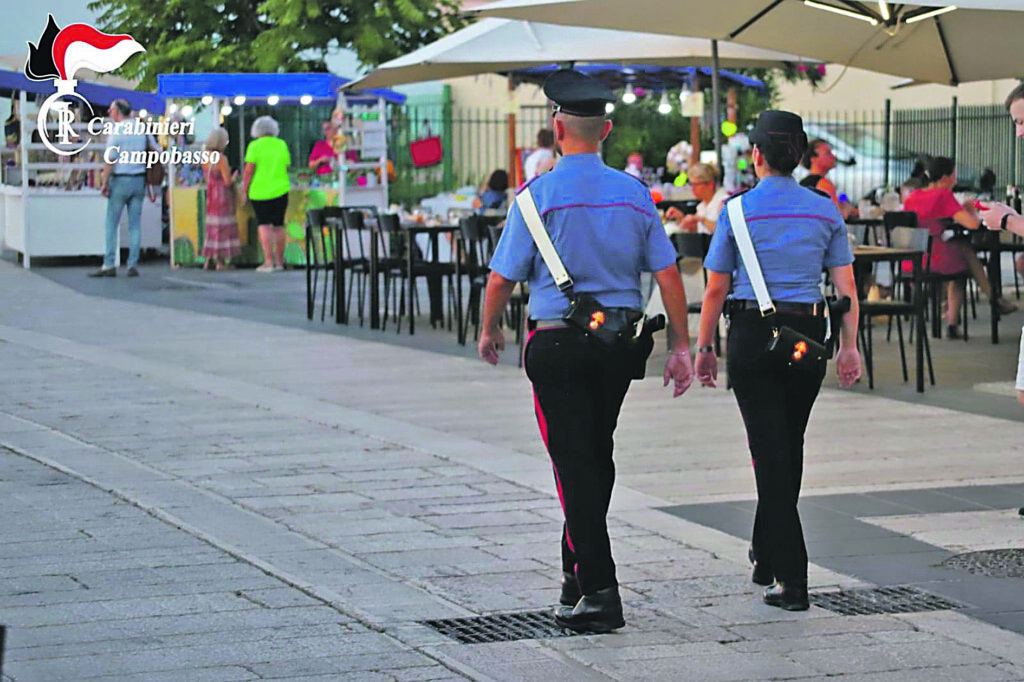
(570, 590)
(104, 272)
(761, 575)
(132, 272)
(791, 595)
(598, 612)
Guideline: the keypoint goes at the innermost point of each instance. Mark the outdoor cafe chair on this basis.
(391, 263)
(355, 236)
(320, 244)
(518, 305)
(695, 245)
(477, 248)
(916, 239)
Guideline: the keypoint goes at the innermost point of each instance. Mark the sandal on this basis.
(1005, 307)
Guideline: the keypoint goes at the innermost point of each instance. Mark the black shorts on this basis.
(270, 211)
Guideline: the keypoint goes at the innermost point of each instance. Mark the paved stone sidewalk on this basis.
(196, 496)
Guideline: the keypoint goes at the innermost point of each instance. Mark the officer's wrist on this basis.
(706, 349)
(680, 351)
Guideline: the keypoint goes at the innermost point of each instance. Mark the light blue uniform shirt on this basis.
(604, 227)
(796, 233)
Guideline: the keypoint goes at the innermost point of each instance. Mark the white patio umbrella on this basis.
(492, 45)
(935, 42)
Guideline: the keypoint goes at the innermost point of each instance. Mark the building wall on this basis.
(859, 90)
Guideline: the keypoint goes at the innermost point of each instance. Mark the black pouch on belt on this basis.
(789, 347)
(616, 328)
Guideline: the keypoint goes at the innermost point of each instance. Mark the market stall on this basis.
(51, 205)
(300, 103)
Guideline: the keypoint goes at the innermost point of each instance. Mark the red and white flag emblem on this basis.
(80, 46)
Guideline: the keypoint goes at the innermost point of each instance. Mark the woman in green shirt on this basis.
(265, 183)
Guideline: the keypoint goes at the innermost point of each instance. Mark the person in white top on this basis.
(545, 151)
(703, 178)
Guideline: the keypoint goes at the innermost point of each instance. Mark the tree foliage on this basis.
(270, 36)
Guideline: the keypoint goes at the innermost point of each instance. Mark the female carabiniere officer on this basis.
(796, 233)
(606, 231)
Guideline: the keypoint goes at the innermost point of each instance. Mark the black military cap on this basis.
(577, 94)
(776, 127)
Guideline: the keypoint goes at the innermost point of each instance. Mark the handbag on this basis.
(787, 346)
(613, 327)
(426, 151)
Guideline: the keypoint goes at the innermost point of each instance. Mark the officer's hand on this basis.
(993, 215)
(678, 369)
(707, 369)
(491, 341)
(848, 366)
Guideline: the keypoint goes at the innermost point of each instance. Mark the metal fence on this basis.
(874, 148)
(474, 141)
(879, 148)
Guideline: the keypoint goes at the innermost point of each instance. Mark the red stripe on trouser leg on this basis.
(542, 423)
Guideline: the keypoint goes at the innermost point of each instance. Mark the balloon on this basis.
(728, 128)
(680, 180)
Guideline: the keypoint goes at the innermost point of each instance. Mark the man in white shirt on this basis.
(545, 151)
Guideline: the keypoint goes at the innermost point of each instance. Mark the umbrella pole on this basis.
(513, 180)
(715, 104)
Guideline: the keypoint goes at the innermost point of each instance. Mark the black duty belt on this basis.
(783, 307)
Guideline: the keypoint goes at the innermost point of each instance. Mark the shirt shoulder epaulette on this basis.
(820, 192)
(733, 196)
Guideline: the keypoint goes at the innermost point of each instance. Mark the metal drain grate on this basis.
(501, 627)
(995, 563)
(893, 599)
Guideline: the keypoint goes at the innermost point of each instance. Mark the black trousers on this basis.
(578, 388)
(776, 403)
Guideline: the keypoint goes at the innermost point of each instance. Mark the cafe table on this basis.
(866, 256)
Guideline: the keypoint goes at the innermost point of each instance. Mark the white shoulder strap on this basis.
(528, 208)
(739, 229)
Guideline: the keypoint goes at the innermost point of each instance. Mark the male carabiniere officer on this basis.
(606, 231)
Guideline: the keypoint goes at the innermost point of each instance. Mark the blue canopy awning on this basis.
(96, 94)
(322, 87)
(650, 76)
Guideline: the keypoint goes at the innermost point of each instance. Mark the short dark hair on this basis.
(123, 106)
(498, 181)
(545, 138)
(812, 151)
(1015, 94)
(938, 167)
(780, 157)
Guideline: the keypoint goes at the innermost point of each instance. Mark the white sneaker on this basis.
(266, 267)
(278, 268)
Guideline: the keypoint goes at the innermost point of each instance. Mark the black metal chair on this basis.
(320, 244)
(390, 261)
(901, 238)
(477, 246)
(695, 245)
(355, 236)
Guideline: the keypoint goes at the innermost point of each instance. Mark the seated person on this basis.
(703, 179)
(494, 193)
(934, 205)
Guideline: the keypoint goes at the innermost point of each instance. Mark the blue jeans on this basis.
(125, 190)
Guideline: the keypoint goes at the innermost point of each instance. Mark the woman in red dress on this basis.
(222, 242)
(936, 208)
